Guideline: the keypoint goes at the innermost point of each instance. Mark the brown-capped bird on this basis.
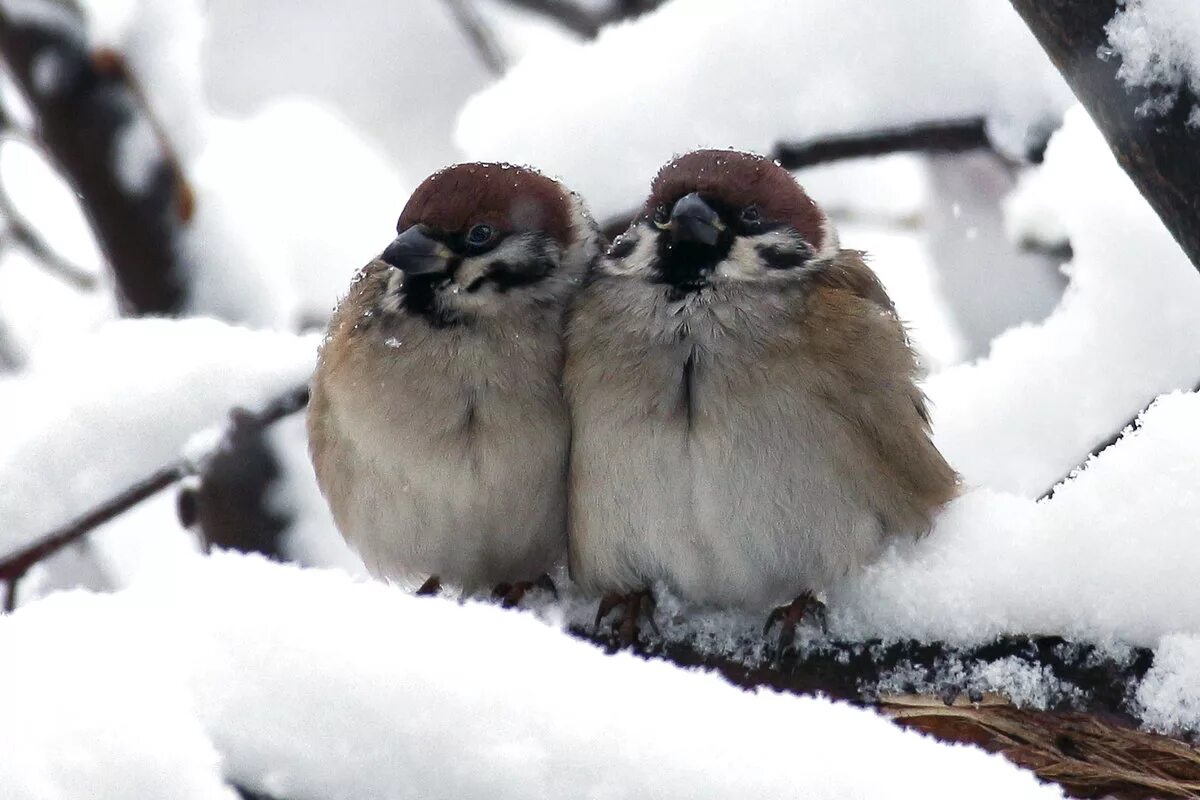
(437, 425)
(746, 427)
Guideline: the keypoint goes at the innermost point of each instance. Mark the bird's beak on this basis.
(416, 254)
(693, 220)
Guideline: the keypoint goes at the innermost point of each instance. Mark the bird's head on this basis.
(483, 240)
(723, 216)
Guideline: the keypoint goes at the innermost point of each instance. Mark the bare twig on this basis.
(938, 136)
(480, 35)
(14, 566)
(22, 233)
(581, 21)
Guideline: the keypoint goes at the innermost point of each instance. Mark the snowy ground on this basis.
(315, 683)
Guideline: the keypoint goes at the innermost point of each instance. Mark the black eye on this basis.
(480, 235)
(661, 216)
(751, 215)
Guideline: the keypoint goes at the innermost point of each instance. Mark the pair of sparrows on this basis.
(724, 400)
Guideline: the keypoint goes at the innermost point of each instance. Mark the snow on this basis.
(1169, 696)
(305, 685)
(1159, 45)
(1110, 556)
(290, 203)
(604, 115)
(1125, 331)
(83, 721)
(90, 416)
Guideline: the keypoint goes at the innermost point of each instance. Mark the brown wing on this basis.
(854, 329)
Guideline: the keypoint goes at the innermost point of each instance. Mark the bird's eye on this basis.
(480, 235)
(662, 216)
(751, 215)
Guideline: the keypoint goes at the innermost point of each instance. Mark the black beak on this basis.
(416, 254)
(693, 220)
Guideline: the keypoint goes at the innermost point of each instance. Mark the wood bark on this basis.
(1160, 152)
(85, 105)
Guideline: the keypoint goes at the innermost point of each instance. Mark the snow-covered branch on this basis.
(15, 565)
(1155, 142)
(94, 124)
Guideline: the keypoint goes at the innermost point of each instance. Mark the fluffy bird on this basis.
(437, 426)
(746, 426)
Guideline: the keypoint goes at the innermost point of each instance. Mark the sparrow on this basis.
(437, 427)
(746, 424)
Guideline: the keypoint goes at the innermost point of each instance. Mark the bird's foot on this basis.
(510, 594)
(791, 615)
(633, 606)
(430, 587)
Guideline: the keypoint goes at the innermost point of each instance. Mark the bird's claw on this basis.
(790, 616)
(635, 605)
(511, 594)
(431, 586)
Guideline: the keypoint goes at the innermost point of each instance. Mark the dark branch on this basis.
(950, 136)
(14, 566)
(1161, 153)
(940, 136)
(1087, 741)
(479, 34)
(84, 107)
(581, 21)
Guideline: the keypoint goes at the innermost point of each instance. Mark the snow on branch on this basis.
(93, 121)
(1156, 146)
(14, 566)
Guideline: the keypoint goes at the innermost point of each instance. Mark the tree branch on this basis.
(14, 566)
(85, 107)
(1087, 742)
(941, 136)
(22, 233)
(581, 21)
(479, 34)
(1161, 153)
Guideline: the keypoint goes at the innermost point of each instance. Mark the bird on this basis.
(437, 426)
(746, 423)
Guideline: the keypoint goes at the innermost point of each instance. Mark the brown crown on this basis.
(507, 197)
(737, 180)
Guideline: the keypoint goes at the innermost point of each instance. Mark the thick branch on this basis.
(1087, 743)
(1161, 153)
(86, 107)
(14, 566)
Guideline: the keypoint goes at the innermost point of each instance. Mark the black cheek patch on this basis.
(505, 277)
(774, 257)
